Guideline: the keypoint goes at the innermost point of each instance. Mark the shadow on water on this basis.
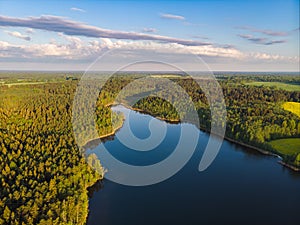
(94, 143)
(95, 188)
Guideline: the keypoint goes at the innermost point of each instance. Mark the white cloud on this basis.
(77, 49)
(77, 9)
(172, 16)
(75, 28)
(29, 31)
(276, 57)
(18, 35)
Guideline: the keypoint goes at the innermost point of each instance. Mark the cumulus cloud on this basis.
(264, 31)
(259, 40)
(77, 9)
(172, 16)
(18, 35)
(70, 27)
(75, 49)
(149, 30)
(271, 57)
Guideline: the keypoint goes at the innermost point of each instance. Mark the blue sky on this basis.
(227, 35)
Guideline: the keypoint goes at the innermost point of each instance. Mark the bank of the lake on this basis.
(260, 150)
(238, 182)
(143, 111)
(102, 136)
(247, 146)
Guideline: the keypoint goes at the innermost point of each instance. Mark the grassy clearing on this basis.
(293, 107)
(279, 85)
(24, 83)
(166, 76)
(287, 146)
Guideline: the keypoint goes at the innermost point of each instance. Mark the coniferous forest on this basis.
(44, 177)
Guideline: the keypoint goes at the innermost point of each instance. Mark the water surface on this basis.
(240, 187)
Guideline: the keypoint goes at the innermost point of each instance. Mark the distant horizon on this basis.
(148, 71)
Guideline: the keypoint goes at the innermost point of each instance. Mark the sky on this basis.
(225, 35)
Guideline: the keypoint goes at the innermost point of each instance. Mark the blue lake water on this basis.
(240, 187)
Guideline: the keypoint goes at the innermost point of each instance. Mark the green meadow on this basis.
(279, 85)
(286, 146)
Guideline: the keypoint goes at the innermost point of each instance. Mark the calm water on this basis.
(240, 187)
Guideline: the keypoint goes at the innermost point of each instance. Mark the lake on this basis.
(240, 187)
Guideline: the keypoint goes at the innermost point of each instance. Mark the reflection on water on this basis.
(242, 186)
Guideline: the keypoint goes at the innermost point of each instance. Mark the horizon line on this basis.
(155, 71)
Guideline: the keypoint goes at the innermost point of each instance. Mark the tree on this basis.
(6, 214)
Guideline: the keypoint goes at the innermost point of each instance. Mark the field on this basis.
(279, 85)
(293, 107)
(166, 76)
(287, 146)
(24, 83)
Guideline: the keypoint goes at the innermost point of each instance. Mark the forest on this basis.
(44, 176)
(256, 115)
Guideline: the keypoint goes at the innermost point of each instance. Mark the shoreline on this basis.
(259, 150)
(119, 127)
(262, 151)
(103, 135)
(289, 166)
(265, 152)
(148, 113)
(144, 112)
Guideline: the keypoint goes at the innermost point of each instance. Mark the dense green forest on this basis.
(255, 115)
(44, 177)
